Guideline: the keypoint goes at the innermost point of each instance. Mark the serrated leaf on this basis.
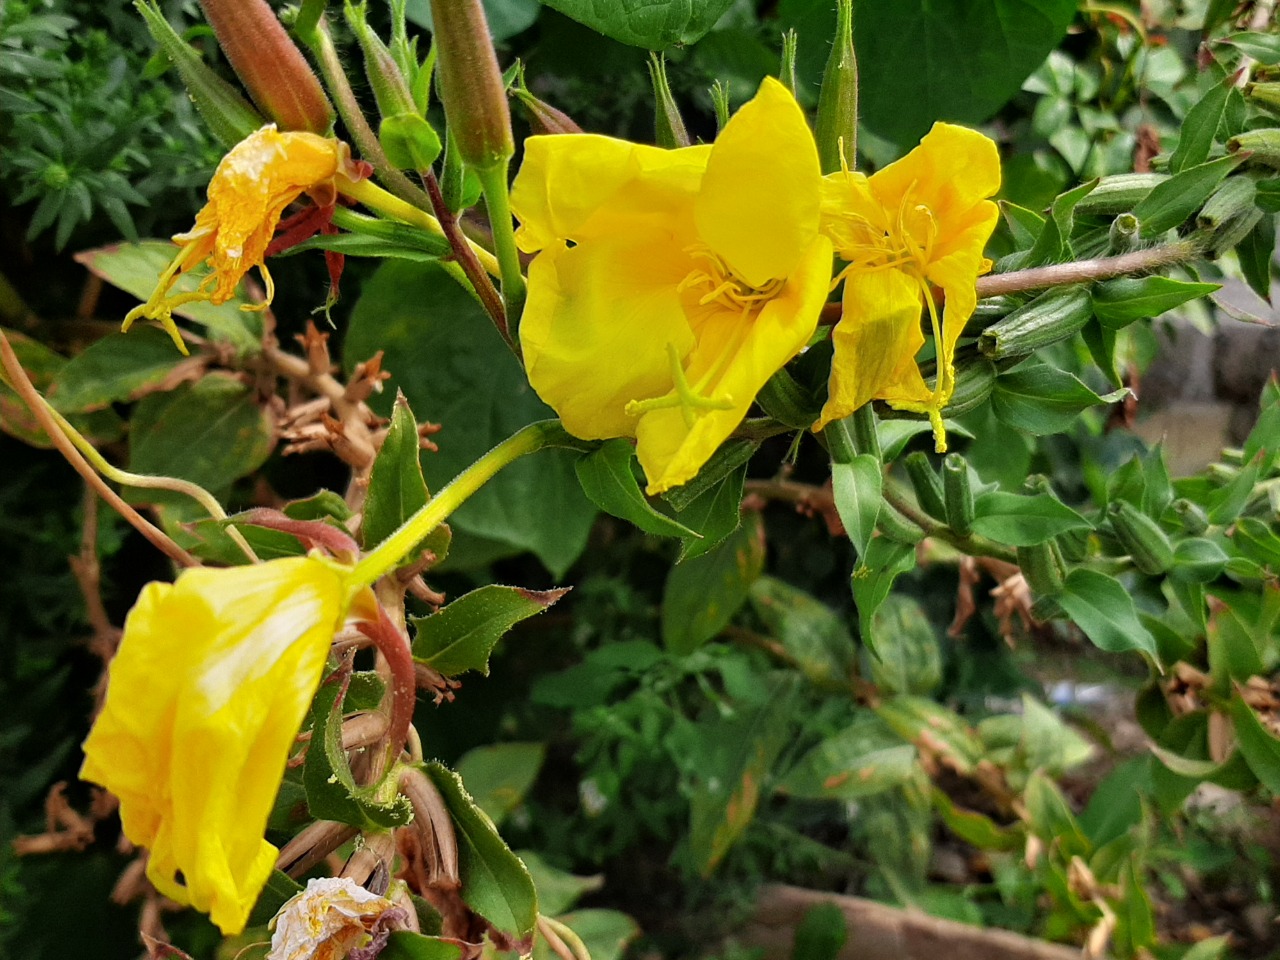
(715, 515)
(1104, 611)
(116, 368)
(1171, 202)
(463, 633)
(495, 884)
(609, 482)
(500, 774)
(1041, 399)
(1117, 303)
(1024, 521)
(856, 488)
(701, 595)
(135, 268)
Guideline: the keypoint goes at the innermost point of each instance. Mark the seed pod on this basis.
(1124, 233)
(974, 383)
(892, 524)
(1049, 318)
(1266, 94)
(1235, 231)
(1119, 193)
(1194, 520)
(1234, 198)
(926, 483)
(957, 495)
(1043, 568)
(1147, 545)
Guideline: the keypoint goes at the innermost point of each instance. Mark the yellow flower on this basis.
(212, 680)
(919, 223)
(670, 284)
(250, 189)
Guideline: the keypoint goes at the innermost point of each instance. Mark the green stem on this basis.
(392, 551)
(493, 180)
(971, 545)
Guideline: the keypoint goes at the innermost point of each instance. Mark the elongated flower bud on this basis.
(471, 87)
(1147, 545)
(1263, 146)
(229, 115)
(269, 64)
(957, 494)
(926, 483)
(668, 126)
(837, 127)
(544, 118)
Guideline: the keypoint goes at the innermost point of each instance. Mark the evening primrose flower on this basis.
(332, 919)
(249, 192)
(669, 285)
(214, 675)
(918, 224)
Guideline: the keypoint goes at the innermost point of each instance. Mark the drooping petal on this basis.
(741, 354)
(578, 186)
(759, 201)
(213, 677)
(878, 334)
(949, 171)
(597, 326)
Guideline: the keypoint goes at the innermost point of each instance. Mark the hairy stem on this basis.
(1082, 271)
(971, 545)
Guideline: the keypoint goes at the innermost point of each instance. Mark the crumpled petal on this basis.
(759, 200)
(327, 921)
(213, 677)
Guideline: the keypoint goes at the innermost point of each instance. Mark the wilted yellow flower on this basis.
(328, 920)
(250, 189)
(919, 223)
(212, 680)
(670, 284)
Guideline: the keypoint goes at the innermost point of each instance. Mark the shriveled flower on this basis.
(214, 675)
(250, 189)
(918, 224)
(334, 918)
(669, 285)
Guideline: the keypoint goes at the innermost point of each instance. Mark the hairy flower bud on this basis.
(668, 126)
(837, 127)
(544, 118)
(269, 64)
(471, 87)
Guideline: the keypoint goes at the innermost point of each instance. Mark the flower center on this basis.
(717, 283)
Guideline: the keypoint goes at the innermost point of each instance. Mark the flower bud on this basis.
(668, 125)
(837, 127)
(1054, 315)
(1043, 568)
(1193, 518)
(269, 64)
(926, 484)
(1147, 545)
(229, 116)
(1267, 94)
(544, 118)
(1261, 145)
(787, 71)
(471, 87)
(1234, 198)
(389, 87)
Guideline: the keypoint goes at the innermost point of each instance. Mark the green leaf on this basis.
(332, 793)
(726, 461)
(1054, 242)
(967, 59)
(1264, 438)
(1199, 127)
(1263, 47)
(856, 487)
(609, 482)
(463, 633)
(821, 933)
(1258, 744)
(117, 368)
(500, 774)
(135, 268)
(714, 515)
(1255, 252)
(1117, 303)
(396, 487)
(908, 657)
(1256, 540)
(808, 630)
(933, 727)
(872, 580)
(320, 506)
(863, 759)
(702, 595)
(210, 432)
(1103, 609)
(280, 887)
(1024, 521)
(1049, 816)
(495, 884)
(1042, 400)
(734, 757)
(407, 945)
(655, 24)
(558, 890)
(480, 396)
(975, 828)
(42, 365)
(1224, 504)
(1171, 202)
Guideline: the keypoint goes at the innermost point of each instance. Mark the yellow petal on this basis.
(597, 326)
(878, 333)
(574, 186)
(950, 170)
(670, 451)
(759, 202)
(205, 696)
